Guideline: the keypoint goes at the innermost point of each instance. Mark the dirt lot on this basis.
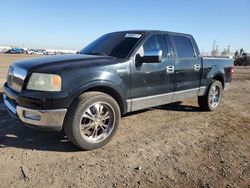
(174, 145)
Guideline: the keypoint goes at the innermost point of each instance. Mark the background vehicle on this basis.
(241, 59)
(39, 52)
(86, 94)
(30, 51)
(16, 51)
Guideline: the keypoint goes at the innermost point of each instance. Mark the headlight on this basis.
(44, 82)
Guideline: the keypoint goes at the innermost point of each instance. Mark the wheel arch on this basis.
(216, 73)
(105, 87)
(219, 77)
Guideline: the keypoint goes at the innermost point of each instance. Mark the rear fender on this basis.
(216, 73)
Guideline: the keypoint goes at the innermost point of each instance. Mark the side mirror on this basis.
(150, 57)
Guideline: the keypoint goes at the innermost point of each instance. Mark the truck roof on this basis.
(152, 31)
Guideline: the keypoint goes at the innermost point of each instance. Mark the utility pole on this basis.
(214, 43)
(213, 53)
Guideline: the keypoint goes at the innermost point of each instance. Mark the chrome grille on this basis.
(15, 78)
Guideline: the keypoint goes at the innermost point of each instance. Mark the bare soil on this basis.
(175, 145)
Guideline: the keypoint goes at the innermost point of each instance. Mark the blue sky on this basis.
(73, 24)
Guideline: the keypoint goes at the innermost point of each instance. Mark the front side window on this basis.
(183, 47)
(113, 44)
(154, 43)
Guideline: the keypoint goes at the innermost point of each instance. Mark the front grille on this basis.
(16, 77)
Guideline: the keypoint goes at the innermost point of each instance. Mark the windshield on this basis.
(113, 44)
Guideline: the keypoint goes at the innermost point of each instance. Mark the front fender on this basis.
(103, 79)
(98, 83)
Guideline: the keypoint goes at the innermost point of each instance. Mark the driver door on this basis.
(151, 84)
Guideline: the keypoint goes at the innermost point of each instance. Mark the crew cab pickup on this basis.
(86, 94)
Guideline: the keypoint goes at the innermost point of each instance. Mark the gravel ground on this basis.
(175, 145)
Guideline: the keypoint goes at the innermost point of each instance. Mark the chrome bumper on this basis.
(44, 119)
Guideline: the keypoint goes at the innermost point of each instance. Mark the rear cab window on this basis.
(183, 46)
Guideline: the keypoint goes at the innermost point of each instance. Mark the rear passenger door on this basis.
(187, 68)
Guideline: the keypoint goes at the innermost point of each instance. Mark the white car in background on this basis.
(30, 51)
(38, 53)
(3, 50)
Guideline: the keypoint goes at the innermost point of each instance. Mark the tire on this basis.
(92, 120)
(208, 101)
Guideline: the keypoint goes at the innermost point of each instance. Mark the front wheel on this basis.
(212, 99)
(92, 120)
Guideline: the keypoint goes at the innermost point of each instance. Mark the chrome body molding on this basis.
(157, 100)
(180, 95)
(227, 86)
(202, 91)
(151, 101)
(129, 105)
(44, 119)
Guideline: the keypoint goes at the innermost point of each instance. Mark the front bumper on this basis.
(37, 118)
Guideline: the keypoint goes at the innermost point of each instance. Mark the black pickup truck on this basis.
(86, 94)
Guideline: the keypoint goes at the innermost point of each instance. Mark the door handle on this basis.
(197, 67)
(170, 69)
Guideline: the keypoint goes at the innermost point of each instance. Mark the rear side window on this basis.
(183, 47)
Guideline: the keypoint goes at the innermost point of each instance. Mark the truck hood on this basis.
(57, 62)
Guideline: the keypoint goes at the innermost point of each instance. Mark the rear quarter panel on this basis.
(216, 67)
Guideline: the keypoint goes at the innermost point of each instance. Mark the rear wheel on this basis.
(212, 99)
(92, 120)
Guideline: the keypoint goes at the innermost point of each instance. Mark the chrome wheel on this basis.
(215, 93)
(97, 122)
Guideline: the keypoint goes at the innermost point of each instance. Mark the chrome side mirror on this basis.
(150, 57)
